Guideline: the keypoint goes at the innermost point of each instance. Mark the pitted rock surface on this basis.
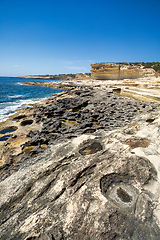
(71, 117)
(76, 177)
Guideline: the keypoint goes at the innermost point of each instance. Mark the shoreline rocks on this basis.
(83, 169)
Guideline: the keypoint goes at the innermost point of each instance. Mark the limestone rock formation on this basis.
(86, 170)
(112, 71)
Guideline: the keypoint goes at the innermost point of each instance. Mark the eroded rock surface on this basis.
(83, 169)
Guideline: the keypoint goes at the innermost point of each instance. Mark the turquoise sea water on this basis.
(13, 94)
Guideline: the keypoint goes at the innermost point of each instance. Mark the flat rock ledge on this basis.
(84, 164)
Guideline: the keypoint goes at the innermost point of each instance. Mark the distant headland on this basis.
(59, 76)
(109, 71)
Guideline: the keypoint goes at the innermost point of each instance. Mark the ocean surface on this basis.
(13, 94)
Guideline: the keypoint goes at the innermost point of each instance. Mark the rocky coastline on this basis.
(83, 164)
(59, 76)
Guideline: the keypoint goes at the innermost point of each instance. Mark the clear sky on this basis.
(66, 36)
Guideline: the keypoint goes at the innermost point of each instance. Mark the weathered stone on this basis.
(77, 181)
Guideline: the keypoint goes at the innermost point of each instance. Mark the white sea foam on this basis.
(13, 106)
(19, 83)
(16, 96)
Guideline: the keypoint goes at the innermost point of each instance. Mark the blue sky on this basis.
(66, 36)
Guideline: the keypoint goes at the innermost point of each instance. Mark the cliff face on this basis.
(112, 71)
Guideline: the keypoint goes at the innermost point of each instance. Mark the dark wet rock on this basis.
(85, 125)
(115, 112)
(89, 130)
(72, 103)
(150, 120)
(38, 119)
(116, 90)
(108, 112)
(32, 133)
(40, 138)
(51, 125)
(78, 92)
(59, 112)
